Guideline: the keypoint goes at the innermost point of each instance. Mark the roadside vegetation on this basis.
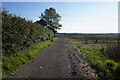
(18, 34)
(105, 59)
(22, 39)
(11, 63)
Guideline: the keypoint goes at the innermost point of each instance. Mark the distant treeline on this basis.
(105, 37)
(18, 34)
(88, 33)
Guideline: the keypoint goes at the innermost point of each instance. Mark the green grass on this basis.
(11, 63)
(81, 42)
(90, 42)
(105, 68)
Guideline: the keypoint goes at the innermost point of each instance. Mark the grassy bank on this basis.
(105, 67)
(11, 63)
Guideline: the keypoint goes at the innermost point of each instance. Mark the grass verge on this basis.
(105, 68)
(11, 63)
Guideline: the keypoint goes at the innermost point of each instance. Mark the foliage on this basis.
(18, 34)
(105, 68)
(50, 19)
(11, 63)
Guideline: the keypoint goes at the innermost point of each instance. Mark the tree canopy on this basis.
(50, 19)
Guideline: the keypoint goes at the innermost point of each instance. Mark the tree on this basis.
(42, 22)
(50, 19)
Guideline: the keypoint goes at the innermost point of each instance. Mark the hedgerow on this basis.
(19, 34)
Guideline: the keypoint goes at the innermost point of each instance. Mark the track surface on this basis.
(59, 60)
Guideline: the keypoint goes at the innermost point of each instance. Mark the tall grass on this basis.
(112, 51)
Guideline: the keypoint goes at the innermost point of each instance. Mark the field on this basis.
(102, 38)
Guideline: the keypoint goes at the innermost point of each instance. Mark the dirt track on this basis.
(59, 60)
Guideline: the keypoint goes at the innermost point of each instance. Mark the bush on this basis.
(19, 34)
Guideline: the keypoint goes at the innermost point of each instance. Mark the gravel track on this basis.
(59, 60)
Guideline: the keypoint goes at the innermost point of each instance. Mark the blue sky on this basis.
(77, 17)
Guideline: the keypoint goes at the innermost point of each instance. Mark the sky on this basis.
(59, 0)
(77, 17)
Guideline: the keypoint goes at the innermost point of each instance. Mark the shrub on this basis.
(19, 34)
